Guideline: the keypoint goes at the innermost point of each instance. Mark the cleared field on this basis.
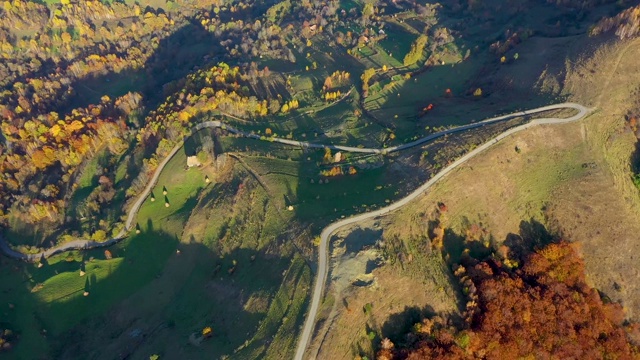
(314, 197)
(406, 97)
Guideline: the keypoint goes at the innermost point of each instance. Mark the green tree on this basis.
(99, 236)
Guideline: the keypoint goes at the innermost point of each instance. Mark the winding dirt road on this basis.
(133, 212)
(323, 261)
(329, 230)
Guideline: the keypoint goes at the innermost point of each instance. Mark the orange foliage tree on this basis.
(545, 310)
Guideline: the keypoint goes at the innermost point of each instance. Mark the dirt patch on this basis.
(354, 257)
(393, 303)
(369, 297)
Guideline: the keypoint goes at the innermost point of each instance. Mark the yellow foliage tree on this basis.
(207, 332)
(328, 157)
(66, 38)
(55, 130)
(184, 116)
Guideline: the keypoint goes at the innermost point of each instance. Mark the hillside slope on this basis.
(572, 182)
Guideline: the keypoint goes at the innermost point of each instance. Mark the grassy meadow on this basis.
(171, 252)
(235, 254)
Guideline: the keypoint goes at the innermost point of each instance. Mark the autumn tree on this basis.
(415, 53)
(328, 157)
(366, 76)
(544, 310)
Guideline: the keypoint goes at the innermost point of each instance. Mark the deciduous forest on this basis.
(542, 309)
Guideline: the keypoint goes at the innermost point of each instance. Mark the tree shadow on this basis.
(532, 236)
(401, 323)
(361, 238)
(177, 55)
(372, 265)
(203, 140)
(454, 245)
(43, 260)
(632, 118)
(233, 300)
(87, 285)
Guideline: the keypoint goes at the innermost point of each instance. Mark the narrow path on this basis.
(329, 230)
(133, 212)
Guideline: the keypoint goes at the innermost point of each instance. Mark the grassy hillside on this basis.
(202, 261)
(570, 181)
(93, 96)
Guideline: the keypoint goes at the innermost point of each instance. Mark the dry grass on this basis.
(393, 294)
(590, 212)
(344, 326)
(503, 187)
(574, 178)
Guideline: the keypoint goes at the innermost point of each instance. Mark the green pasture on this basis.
(397, 41)
(299, 182)
(51, 298)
